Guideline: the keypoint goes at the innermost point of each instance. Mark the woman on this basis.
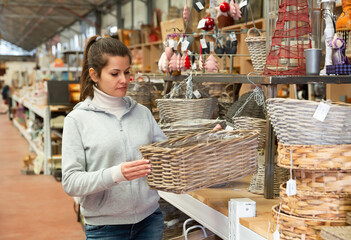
(101, 161)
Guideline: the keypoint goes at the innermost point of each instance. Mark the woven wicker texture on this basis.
(348, 218)
(141, 92)
(257, 49)
(323, 181)
(186, 127)
(315, 205)
(201, 160)
(257, 181)
(251, 109)
(172, 110)
(315, 157)
(292, 227)
(336, 233)
(294, 124)
(249, 123)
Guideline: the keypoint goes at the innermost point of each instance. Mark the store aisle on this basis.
(32, 207)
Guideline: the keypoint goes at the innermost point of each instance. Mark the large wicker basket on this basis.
(257, 49)
(337, 182)
(294, 124)
(315, 205)
(336, 233)
(292, 227)
(186, 127)
(172, 110)
(201, 160)
(315, 157)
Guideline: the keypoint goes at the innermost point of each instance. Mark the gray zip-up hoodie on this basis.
(93, 141)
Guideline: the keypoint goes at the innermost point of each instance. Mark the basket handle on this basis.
(256, 29)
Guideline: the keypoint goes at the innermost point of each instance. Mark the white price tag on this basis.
(201, 24)
(321, 111)
(199, 5)
(233, 36)
(229, 128)
(193, 66)
(276, 235)
(197, 94)
(243, 4)
(213, 3)
(203, 43)
(175, 45)
(171, 43)
(185, 45)
(189, 52)
(291, 187)
(211, 46)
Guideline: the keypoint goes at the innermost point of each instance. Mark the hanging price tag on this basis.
(233, 36)
(185, 45)
(193, 66)
(291, 187)
(229, 128)
(211, 46)
(321, 111)
(243, 4)
(197, 94)
(203, 43)
(213, 3)
(175, 45)
(199, 5)
(171, 43)
(201, 24)
(276, 235)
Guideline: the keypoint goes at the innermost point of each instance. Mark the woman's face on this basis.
(115, 76)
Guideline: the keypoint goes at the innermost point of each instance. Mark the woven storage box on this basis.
(315, 157)
(292, 227)
(336, 233)
(172, 110)
(186, 127)
(294, 124)
(323, 181)
(315, 205)
(201, 160)
(257, 49)
(249, 123)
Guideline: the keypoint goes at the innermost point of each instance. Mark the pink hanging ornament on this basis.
(186, 13)
(169, 52)
(172, 65)
(211, 64)
(238, 12)
(232, 10)
(161, 60)
(182, 62)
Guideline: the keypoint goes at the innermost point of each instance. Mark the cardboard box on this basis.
(172, 26)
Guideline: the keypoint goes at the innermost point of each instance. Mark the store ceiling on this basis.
(29, 23)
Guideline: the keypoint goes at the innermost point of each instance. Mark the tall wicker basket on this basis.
(257, 49)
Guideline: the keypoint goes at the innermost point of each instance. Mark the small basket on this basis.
(172, 110)
(257, 49)
(294, 124)
(315, 157)
(315, 205)
(201, 160)
(141, 93)
(187, 127)
(336, 233)
(337, 182)
(292, 227)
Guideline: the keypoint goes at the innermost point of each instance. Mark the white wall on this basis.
(17, 66)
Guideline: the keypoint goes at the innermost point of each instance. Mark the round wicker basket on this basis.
(257, 49)
(172, 110)
(294, 124)
(315, 205)
(315, 157)
(323, 181)
(292, 227)
(201, 160)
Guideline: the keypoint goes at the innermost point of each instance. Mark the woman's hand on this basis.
(136, 169)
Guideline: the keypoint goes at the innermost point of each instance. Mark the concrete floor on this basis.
(32, 207)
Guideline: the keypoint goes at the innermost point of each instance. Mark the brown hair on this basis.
(95, 56)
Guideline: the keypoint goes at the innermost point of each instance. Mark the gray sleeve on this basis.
(76, 181)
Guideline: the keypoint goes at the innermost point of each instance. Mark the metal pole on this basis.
(132, 14)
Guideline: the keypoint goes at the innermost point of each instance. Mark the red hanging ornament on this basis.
(209, 24)
(224, 7)
(187, 63)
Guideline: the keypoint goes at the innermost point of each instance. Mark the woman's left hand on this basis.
(136, 169)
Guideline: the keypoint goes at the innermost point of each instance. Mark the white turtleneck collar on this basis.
(114, 105)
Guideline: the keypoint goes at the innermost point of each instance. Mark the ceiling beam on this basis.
(44, 4)
(35, 16)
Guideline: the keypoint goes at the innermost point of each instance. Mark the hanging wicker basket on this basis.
(257, 49)
(201, 160)
(292, 227)
(183, 128)
(294, 124)
(315, 205)
(337, 182)
(172, 110)
(315, 157)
